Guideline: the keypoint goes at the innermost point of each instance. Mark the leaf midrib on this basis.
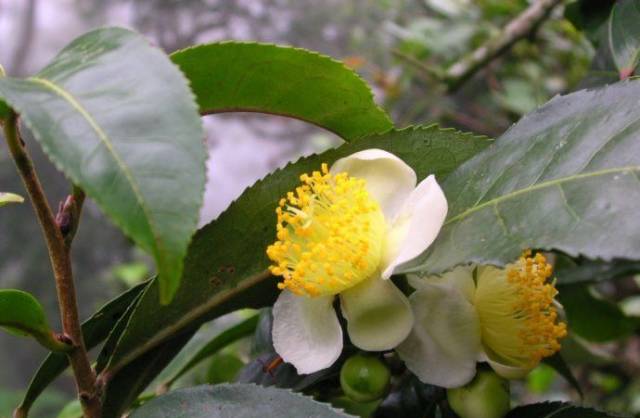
(104, 139)
(114, 367)
(539, 186)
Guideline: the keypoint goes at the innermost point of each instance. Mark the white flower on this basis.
(506, 317)
(342, 233)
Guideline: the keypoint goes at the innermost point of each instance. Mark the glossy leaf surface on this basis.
(235, 400)
(117, 117)
(252, 77)
(564, 177)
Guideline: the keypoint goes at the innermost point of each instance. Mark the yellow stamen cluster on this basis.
(330, 235)
(517, 314)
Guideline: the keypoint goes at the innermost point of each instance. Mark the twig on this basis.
(430, 73)
(61, 263)
(520, 27)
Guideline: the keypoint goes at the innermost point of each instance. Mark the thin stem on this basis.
(61, 262)
(518, 28)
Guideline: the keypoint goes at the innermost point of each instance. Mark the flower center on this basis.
(330, 235)
(517, 313)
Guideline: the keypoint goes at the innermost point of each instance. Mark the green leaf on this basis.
(578, 351)
(5, 111)
(125, 387)
(21, 314)
(130, 137)
(6, 198)
(595, 271)
(234, 275)
(624, 36)
(236, 332)
(252, 77)
(589, 16)
(94, 330)
(557, 410)
(594, 318)
(565, 177)
(235, 400)
(72, 410)
(559, 365)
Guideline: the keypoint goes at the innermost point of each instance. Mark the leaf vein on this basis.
(104, 139)
(540, 186)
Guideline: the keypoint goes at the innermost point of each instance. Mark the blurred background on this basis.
(396, 45)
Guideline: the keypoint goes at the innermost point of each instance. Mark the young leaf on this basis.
(624, 36)
(234, 275)
(594, 271)
(280, 80)
(21, 314)
(6, 198)
(593, 318)
(118, 118)
(94, 330)
(557, 410)
(565, 177)
(236, 332)
(235, 400)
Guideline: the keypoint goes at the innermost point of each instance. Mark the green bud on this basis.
(486, 396)
(364, 378)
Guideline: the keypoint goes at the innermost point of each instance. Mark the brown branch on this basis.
(520, 27)
(61, 264)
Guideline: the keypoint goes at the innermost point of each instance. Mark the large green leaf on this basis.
(251, 77)
(624, 35)
(237, 401)
(94, 330)
(21, 314)
(6, 198)
(118, 118)
(565, 177)
(225, 267)
(557, 410)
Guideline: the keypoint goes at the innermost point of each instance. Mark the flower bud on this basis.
(486, 396)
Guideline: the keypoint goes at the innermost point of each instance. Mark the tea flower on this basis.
(341, 233)
(505, 316)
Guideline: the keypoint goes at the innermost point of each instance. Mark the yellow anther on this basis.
(330, 235)
(517, 313)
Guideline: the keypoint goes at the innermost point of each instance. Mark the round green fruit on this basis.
(364, 378)
(224, 368)
(486, 396)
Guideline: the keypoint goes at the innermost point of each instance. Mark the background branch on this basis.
(520, 27)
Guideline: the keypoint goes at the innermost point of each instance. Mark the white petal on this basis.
(417, 225)
(306, 331)
(378, 314)
(389, 179)
(506, 371)
(460, 277)
(445, 341)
